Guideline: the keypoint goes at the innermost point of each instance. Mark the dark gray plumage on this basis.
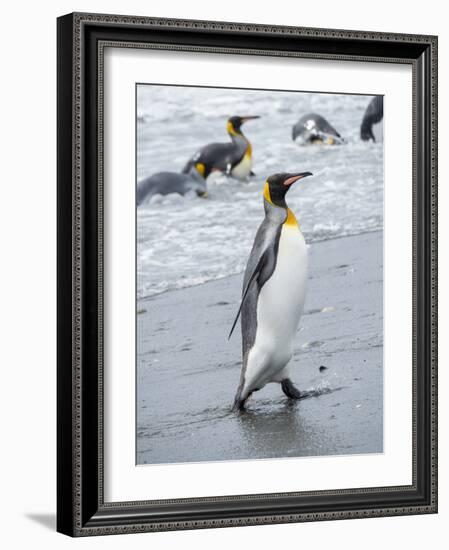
(313, 128)
(374, 114)
(223, 157)
(220, 157)
(164, 183)
(262, 261)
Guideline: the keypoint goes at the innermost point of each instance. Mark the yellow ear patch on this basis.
(291, 219)
(230, 129)
(200, 168)
(266, 192)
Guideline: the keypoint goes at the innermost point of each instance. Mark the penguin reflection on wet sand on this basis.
(233, 158)
(372, 118)
(274, 289)
(164, 183)
(315, 129)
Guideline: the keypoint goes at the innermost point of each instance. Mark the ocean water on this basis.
(185, 241)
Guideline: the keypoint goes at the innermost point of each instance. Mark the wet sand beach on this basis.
(188, 371)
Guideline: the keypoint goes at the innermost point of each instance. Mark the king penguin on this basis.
(274, 289)
(233, 158)
(371, 120)
(315, 129)
(164, 183)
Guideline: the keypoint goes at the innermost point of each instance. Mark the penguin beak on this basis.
(246, 118)
(295, 177)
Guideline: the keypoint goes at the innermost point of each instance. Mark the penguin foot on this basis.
(290, 390)
(239, 402)
(238, 406)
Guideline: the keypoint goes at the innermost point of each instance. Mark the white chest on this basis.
(243, 168)
(279, 308)
(281, 299)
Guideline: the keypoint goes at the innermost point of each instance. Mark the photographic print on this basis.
(259, 277)
(242, 340)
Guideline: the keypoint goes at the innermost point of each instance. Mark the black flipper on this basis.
(260, 265)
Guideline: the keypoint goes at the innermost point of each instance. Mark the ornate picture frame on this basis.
(81, 507)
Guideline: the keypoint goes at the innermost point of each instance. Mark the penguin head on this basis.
(235, 123)
(277, 186)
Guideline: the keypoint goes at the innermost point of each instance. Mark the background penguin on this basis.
(313, 128)
(164, 183)
(374, 114)
(234, 158)
(273, 295)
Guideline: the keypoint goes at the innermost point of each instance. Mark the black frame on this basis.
(81, 509)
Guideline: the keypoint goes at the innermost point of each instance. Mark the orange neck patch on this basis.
(232, 132)
(249, 150)
(291, 219)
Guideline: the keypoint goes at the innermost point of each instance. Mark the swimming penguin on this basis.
(371, 120)
(274, 288)
(234, 158)
(164, 183)
(313, 128)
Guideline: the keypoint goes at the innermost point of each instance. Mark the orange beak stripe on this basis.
(291, 180)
